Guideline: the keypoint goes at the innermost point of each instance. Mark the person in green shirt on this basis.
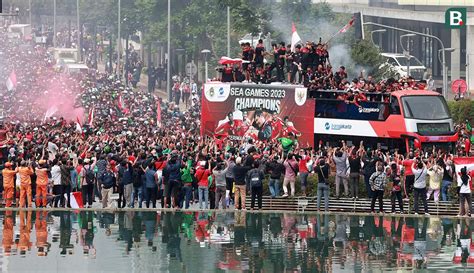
(288, 144)
(187, 179)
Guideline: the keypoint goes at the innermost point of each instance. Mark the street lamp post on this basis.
(228, 31)
(119, 40)
(445, 68)
(54, 23)
(407, 53)
(29, 10)
(168, 66)
(205, 54)
(79, 32)
(443, 53)
(376, 31)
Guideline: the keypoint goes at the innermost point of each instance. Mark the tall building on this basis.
(424, 16)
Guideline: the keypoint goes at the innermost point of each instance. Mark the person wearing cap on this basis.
(8, 184)
(41, 184)
(25, 171)
(240, 173)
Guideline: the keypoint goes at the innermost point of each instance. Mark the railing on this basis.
(308, 204)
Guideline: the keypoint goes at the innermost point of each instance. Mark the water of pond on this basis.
(134, 241)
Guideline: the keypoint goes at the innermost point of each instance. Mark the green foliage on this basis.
(462, 110)
(366, 54)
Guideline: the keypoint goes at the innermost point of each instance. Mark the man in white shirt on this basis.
(57, 186)
(52, 150)
(420, 171)
(464, 185)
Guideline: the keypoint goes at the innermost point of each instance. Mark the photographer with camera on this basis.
(420, 172)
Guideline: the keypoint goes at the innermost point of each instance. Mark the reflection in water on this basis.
(210, 242)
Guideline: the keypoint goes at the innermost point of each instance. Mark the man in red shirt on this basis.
(409, 176)
(277, 127)
(303, 170)
(202, 176)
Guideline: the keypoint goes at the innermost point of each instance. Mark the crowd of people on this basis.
(102, 137)
(309, 65)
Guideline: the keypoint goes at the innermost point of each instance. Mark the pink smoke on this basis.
(59, 97)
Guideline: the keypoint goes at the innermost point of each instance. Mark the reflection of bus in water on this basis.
(405, 119)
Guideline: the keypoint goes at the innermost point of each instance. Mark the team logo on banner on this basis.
(216, 92)
(300, 96)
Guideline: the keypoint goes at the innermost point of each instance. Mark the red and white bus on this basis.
(403, 119)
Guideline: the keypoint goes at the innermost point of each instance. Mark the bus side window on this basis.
(394, 106)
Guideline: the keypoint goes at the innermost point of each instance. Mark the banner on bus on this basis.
(262, 112)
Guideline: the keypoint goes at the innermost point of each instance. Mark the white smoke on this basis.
(312, 29)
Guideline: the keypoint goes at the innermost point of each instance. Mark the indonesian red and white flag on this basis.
(347, 26)
(461, 162)
(91, 117)
(158, 114)
(76, 200)
(11, 81)
(295, 38)
(121, 105)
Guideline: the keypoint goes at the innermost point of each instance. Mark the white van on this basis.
(398, 64)
(76, 69)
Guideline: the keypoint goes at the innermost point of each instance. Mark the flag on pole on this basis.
(50, 112)
(295, 38)
(347, 26)
(78, 125)
(11, 81)
(343, 29)
(91, 117)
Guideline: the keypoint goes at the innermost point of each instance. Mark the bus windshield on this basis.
(425, 107)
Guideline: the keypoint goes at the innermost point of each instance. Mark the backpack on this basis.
(90, 176)
(255, 180)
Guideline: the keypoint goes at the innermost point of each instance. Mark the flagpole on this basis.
(342, 30)
(331, 38)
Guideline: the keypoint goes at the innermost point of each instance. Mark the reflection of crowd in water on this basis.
(247, 241)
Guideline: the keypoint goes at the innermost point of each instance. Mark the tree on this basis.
(366, 54)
